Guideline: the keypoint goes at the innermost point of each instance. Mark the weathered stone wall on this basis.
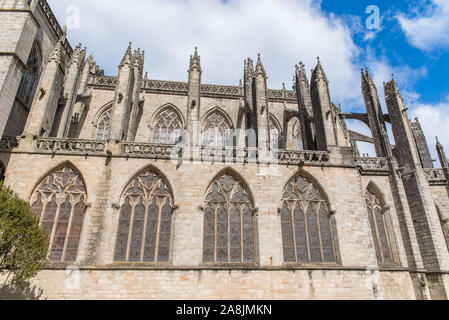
(223, 284)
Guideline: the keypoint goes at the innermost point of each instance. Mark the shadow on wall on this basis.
(8, 292)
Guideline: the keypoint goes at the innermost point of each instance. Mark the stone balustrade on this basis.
(55, 145)
(372, 164)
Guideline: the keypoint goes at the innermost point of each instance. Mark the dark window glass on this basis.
(59, 203)
(145, 222)
(228, 222)
(307, 227)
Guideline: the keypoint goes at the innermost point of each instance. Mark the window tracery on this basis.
(380, 224)
(145, 221)
(60, 204)
(168, 127)
(308, 230)
(216, 130)
(229, 223)
(104, 125)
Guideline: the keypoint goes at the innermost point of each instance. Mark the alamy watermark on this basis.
(373, 20)
(73, 18)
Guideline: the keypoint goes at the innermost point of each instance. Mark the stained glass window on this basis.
(145, 221)
(308, 230)
(168, 127)
(380, 224)
(229, 223)
(216, 130)
(30, 78)
(60, 204)
(104, 125)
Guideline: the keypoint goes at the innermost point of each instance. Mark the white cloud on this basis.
(434, 120)
(284, 32)
(428, 30)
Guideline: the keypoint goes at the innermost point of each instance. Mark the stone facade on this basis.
(129, 176)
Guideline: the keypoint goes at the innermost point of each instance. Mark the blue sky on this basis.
(412, 43)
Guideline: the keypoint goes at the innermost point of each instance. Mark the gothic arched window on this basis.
(104, 125)
(275, 132)
(297, 135)
(308, 229)
(145, 222)
(60, 204)
(380, 224)
(30, 78)
(2, 172)
(168, 127)
(216, 130)
(229, 222)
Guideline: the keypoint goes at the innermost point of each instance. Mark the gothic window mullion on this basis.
(242, 252)
(379, 241)
(316, 212)
(388, 235)
(69, 230)
(55, 224)
(292, 214)
(131, 226)
(216, 232)
(306, 227)
(158, 230)
(145, 222)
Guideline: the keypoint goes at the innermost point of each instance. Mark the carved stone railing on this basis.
(281, 94)
(303, 157)
(9, 143)
(105, 81)
(182, 87)
(170, 86)
(55, 145)
(150, 150)
(229, 154)
(372, 164)
(435, 175)
(221, 90)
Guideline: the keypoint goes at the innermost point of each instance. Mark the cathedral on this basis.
(152, 189)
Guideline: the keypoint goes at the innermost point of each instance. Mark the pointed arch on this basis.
(60, 203)
(294, 135)
(381, 226)
(230, 233)
(145, 219)
(102, 122)
(309, 233)
(167, 124)
(217, 128)
(275, 132)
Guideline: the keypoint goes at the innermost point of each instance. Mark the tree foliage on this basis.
(23, 245)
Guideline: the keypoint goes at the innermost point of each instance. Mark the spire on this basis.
(58, 55)
(195, 61)
(78, 55)
(139, 58)
(249, 68)
(319, 73)
(301, 72)
(260, 70)
(128, 57)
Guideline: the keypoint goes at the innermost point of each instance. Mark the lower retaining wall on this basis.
(216, 285)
